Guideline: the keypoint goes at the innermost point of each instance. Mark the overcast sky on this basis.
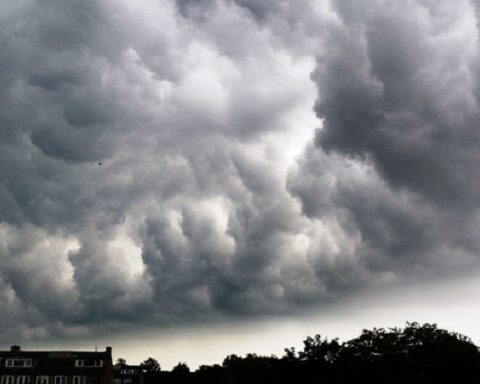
(192, 178)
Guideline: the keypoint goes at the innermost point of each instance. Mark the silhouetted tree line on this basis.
(415, 354)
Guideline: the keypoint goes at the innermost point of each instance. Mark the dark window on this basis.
(23, 379)
(7, 379)
(42, 379)
(60, 380)
(78, 379)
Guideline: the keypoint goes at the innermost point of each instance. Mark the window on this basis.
(128, 371)
(19, 363)
(7, 379)
(78, 379)
(23, 379)
(60, 380)
(127, 381)
(42, 379)
(89, 363)
(117, 381)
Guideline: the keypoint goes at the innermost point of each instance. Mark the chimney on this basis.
(109, 351)
(15, 349)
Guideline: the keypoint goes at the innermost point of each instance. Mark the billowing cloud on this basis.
(396, 157)
(159, 162)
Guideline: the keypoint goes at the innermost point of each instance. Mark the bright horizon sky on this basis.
(454, 308)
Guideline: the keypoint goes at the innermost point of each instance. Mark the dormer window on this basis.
(89, 363)
(18, 363)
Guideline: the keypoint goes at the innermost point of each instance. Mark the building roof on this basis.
(58, 362)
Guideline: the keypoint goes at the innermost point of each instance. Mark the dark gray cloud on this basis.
(157, 164)
(129, 194)
(396, 88)
(396, 157)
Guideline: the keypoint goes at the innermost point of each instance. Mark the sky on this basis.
(186, 179)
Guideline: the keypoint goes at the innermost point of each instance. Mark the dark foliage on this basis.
(151, 364)
(121, 361)
(416, 354)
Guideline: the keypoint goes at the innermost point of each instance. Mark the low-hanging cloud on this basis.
(159, 167)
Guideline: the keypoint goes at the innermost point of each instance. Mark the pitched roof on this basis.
(57, 362)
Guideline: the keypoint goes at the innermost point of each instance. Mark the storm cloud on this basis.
(167, 162)
(397, 94)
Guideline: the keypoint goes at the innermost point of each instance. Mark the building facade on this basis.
(128, 374)
(57, 367)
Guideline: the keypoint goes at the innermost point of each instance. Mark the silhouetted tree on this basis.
(181, 374)
(290, 354)
(416, 354)
(121, 361)
(151, 364)
(181, 368)
(319, 350)
(210, 374)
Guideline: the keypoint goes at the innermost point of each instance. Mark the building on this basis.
(128, 374)
(55, 367)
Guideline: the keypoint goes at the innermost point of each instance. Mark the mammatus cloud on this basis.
(397, 93)
(158, 163)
